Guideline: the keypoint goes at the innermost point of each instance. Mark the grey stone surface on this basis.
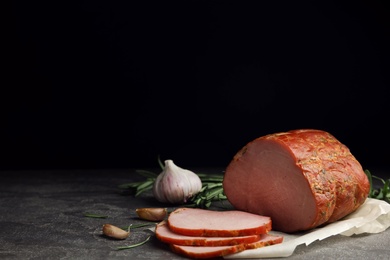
(42, 217)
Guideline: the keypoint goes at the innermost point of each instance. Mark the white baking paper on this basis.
(371, 217)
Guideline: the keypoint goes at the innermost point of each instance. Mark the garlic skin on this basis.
(176, 185)
(152, 214)
(115, 232)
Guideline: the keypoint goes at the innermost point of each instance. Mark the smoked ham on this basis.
(164, 234)
(203, 233)
(218, 251)
(301, 179)
(202, 222)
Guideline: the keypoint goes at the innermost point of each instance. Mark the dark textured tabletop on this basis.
(42, 217)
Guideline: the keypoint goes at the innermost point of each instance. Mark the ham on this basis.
(301, 179)
(209, 223)
(203, 233)
(219, 251)
(164, 234)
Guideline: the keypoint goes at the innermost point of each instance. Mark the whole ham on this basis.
(302, 179)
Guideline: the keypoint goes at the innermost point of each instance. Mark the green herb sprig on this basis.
(131, 226)
(211, 191)
(140, 186)
(93, 215)
(381, 193)
(134, 245)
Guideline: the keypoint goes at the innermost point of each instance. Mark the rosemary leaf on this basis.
(145, 186)
(134, 245)
(162, 166)
(207, 204)
(139, 225)
(214, 193)
(91, 215)
(211, 179)
(382, 193)
(208, 175)
(213, 185)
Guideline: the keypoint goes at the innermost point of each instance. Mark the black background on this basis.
(110, 84)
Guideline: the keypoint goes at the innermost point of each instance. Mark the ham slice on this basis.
(219, 251)
(203, 233)
(164, 234)
(301, 179)
(209, 223)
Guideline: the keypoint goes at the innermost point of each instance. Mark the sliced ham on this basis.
(164, 234)
(301, 179)
(219, 251)
(204, 222)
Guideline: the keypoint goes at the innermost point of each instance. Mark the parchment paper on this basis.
(372, 217)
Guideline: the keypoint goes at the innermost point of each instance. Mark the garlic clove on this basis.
(176, 185)
(115, 232)
(152, 214)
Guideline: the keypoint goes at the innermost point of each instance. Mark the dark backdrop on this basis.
(108, 84)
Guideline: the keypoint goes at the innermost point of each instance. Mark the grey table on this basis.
(42, 217)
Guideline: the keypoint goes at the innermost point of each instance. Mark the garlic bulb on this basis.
(175, 185)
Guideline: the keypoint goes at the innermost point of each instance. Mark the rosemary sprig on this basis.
(138, 187)
(134, 245)
(131, 226)
(92, 215)
(209, 193)
(142, 186)
(382, 193)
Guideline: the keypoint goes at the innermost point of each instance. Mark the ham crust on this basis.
(218, 251)
(164, 234)
(206, 252)
(301, 179)
(209, 223)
